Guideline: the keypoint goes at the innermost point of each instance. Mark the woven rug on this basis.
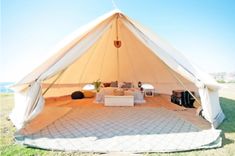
(125, 129)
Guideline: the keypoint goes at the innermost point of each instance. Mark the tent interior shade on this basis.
(89, 54)
(132, 62)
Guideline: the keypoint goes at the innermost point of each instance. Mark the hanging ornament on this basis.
(117, 43)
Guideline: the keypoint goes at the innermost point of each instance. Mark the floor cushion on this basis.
(77, 95)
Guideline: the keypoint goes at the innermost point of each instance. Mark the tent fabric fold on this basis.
(28, 104)
(89, 54)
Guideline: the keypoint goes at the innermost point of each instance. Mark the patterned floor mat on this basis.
(126, 129)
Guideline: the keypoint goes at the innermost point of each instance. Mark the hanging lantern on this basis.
(117, 43)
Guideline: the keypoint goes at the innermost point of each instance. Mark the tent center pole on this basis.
(53, 82)
(117, 48)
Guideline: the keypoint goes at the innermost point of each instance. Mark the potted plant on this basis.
(97, 85)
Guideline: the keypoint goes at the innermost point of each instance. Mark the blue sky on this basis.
(203, 30)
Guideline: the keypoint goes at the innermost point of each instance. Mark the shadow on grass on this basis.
(226, 141)
(228, 106)
(228, 126)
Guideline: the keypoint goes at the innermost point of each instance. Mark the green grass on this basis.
(9, 147)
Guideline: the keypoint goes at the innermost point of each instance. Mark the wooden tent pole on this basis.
(53, 82)
(184, 86)
(117, 48)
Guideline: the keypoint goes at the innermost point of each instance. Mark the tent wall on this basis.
(74, 53)
(28, 104)
(211, 106)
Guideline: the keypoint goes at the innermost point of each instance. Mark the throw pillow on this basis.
(107, 84)
(114, 84)
(77, 95)
(128, 84)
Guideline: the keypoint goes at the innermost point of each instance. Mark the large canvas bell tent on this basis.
(114, 47)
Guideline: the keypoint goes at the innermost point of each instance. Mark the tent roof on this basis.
(89, 52)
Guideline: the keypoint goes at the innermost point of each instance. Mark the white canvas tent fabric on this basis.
(89, 54)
